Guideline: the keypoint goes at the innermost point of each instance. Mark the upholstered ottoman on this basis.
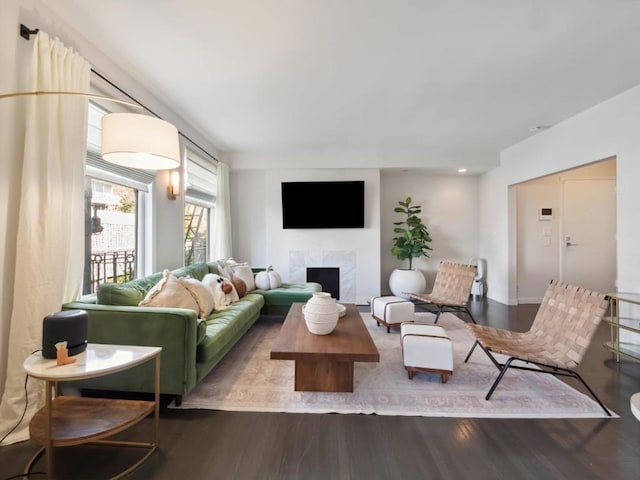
(426, 348)
(391, 311)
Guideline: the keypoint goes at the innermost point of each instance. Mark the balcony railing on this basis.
(112, 267)
(119, 266)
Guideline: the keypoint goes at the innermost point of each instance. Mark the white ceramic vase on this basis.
(321, 313)
(404, 280)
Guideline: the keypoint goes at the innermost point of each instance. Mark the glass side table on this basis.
(624, 320)
(68, 421)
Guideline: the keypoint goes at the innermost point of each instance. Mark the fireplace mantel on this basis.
(345, 260)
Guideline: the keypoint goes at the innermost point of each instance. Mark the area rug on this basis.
(248, 380)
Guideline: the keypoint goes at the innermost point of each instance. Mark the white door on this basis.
(588, 250)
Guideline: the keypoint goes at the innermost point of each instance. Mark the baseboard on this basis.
(529, 300)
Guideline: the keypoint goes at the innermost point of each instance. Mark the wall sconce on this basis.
(173, 188)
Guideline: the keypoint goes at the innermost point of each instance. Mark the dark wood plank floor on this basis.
(236, 445)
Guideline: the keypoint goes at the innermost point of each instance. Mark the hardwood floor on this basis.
(244, 445)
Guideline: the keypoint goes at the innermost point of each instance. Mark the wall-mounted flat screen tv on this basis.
(323, 204)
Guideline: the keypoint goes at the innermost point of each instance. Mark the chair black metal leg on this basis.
(502, 372)
(606, 410)
(438, 314)
(466, 309)
(475, 344)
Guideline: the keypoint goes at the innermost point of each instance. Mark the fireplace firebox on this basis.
(328, 277)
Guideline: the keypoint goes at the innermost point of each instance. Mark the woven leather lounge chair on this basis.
(451, 289)
(557, 340)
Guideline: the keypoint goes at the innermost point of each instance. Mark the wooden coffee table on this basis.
(324, 363)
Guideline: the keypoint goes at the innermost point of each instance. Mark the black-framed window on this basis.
(113, 213)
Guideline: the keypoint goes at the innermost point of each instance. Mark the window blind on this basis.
(201, 180)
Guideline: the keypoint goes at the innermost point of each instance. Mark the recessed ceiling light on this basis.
(462, 170)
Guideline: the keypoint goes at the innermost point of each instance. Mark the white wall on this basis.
(449, 210)
(538, 252)
(606, 130)
(539, 260)
(249, 217)
(166, 238)
(260, 239)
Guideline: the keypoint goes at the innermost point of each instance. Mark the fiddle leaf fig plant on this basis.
(412, 238)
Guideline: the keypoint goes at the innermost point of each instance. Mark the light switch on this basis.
(546, 241)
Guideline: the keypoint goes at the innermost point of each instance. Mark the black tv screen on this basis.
(323, 204)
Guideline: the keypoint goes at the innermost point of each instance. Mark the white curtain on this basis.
(50, 234)
(222, 224)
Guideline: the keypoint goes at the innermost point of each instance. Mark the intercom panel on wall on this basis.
(545, 214)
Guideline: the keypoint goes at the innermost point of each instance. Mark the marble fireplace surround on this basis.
(345, 260)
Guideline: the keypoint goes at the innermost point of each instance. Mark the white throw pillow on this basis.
(221, 299)
(244, 273)
(200, 293)
(169, 292)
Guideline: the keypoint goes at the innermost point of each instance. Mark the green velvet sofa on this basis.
(190, 347)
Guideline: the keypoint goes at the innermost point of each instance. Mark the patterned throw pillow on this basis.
(229, 269)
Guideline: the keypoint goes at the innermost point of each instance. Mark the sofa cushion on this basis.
(225, 326)
(288, 293)
(128, 293)
(133, 292)
(198, 271)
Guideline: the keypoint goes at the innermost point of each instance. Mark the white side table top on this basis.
(635, 405)
(95, 361)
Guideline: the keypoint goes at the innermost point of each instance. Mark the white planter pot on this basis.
(403, 280)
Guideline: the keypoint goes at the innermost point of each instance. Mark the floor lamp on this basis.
(132, 140)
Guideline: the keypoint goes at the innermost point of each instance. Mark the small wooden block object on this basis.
(62, 354)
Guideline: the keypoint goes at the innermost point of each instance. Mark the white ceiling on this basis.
(383, 83)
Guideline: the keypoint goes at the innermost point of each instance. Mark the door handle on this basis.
(567, 241)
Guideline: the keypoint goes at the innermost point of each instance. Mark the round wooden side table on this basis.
(67, 421)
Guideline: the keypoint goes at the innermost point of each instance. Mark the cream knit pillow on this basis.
(169, 292)
(200, 293)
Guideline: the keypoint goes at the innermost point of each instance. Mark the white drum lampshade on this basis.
(140, 141)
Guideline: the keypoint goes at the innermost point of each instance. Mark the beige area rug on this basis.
(248, 380)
